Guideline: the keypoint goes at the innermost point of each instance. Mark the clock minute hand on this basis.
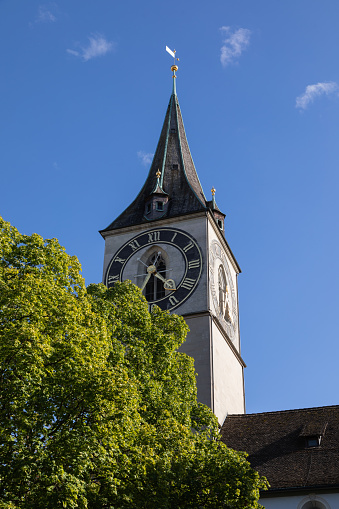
(146, 280)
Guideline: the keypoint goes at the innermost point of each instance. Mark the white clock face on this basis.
(165, 263)
(223, 291)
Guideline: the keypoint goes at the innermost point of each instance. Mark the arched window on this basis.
(155, 287)
(313, 502)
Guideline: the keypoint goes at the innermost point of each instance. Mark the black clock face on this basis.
(170, 273)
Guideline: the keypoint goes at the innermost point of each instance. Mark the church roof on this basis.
(292, 448)
(178, 179)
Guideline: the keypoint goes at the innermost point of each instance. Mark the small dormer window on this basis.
(220, 224)
(173, 131)
(313, 441)
(175, 166)
(160, 205)
(312, 433)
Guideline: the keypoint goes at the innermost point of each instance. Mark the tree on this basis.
(98, 408)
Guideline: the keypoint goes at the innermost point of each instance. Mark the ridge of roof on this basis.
(282, 411)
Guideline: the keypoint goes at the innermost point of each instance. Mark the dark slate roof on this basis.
(276, 444)
(180, 182)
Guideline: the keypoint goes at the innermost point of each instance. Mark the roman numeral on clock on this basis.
(120, 260)
(134, 245)
(173, 300)
(188, 283)
(113, 279)
(154, 237)
(188, 247)
(193, 264)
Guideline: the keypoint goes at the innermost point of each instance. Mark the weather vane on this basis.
(174, 66)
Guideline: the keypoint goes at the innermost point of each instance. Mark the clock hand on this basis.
(159, 276)
(155, 263)
(139, 260)
(168, 283)
(160, 271)
(146, 280)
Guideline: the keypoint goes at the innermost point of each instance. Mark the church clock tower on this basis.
(170, 242)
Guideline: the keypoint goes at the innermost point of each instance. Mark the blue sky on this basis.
(84, 87)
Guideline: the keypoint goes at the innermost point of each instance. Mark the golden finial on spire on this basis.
(213, 191)
(174, 68)
(158, 174)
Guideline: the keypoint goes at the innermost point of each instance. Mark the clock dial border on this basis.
(217, 253)
(175, 237)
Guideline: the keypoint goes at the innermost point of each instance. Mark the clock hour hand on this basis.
(169, 284)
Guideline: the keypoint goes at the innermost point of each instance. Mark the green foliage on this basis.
(98, 408)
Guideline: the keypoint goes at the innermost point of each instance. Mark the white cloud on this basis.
(313, 91)
(234, 43)
(45, 14)
(97, 47)
(146, 159)
(73, 52)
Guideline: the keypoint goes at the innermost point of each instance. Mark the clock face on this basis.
(166, 263)
(222, 289)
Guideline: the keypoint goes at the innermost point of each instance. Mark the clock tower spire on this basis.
(179, 184)
(170, 242)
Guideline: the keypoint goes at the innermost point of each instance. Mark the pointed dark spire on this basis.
(178, 179)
